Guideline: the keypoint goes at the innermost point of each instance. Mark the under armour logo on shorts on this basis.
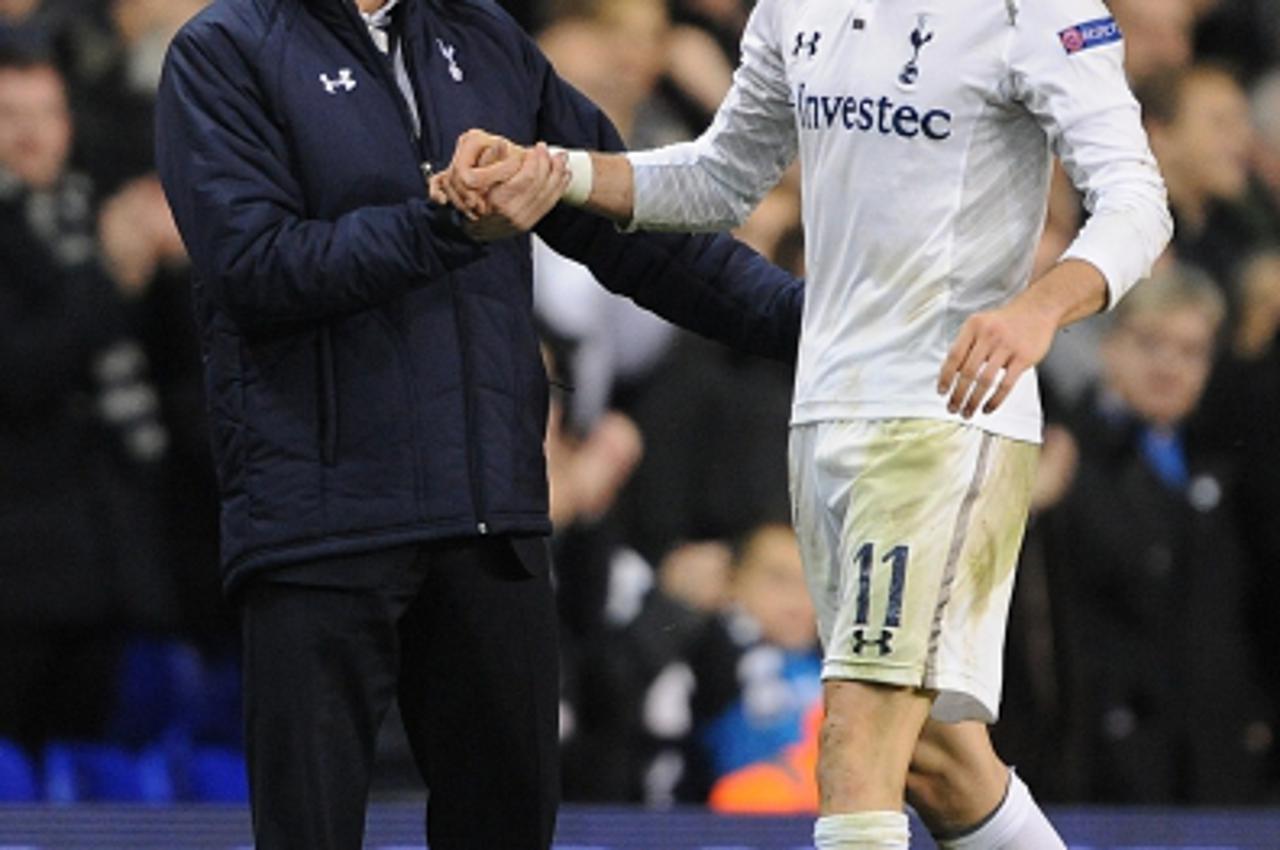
(884, 643)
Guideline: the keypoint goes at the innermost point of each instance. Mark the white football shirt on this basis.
(925, 131)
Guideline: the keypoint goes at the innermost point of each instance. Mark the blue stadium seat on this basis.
(17, 776)
(217, 775)
(167, 688)
(158, 688)
(79, 772)
(216, 719)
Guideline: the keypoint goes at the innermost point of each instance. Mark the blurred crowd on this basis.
(1142, 631)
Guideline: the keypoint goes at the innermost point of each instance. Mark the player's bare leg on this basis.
(969, 798)
(868, 736)
(956, 779)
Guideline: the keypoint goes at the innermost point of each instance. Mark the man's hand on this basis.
(138, 235)
(1007, 341)
(1259, 322)
(481, 161)
(516, 205)
(1010, 339)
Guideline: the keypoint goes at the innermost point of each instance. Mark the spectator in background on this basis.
(151, 270)
(632, 716)
(608, 345)
(704, 52)
(1245, 33)
(756, 666)
(1254, 369)
(715, 671)
(725, 19)
(1265, 107)
(714, 423)
(586, 468)
(1163, 687)
(614, 51)
(1157, 36)
(79, 436)
(35, 21)
(1240, 418)
(1030, 730)
(15, 12)
(782, 785)
(17, 15)
(714, 420)
(112, 55)
(1255, 339)
(1198, 123)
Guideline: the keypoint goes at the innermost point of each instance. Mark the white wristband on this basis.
(581, 176)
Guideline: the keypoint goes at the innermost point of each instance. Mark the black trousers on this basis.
(463, 635)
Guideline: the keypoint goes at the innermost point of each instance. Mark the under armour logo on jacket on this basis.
(811, 45)
(345, 81)
(447, 51)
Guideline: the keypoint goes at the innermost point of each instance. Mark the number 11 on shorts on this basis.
(866, 557)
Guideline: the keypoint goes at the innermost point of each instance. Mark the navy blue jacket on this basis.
(374, 377)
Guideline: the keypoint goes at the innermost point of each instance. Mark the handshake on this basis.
(502, 188)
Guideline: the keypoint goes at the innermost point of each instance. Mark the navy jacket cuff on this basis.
(444, 227)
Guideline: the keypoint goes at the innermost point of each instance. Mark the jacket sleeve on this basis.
(224, 161)
(711, 284)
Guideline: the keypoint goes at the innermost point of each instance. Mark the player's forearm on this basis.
(1070, 291)
(612, 187)
(684, 187)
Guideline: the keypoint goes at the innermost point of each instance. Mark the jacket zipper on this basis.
(468, 415)
(418, 143)
(408, 45)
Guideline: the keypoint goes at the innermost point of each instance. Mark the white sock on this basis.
(1016, 824)
(862, 831)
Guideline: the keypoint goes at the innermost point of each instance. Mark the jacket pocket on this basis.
(327, 398)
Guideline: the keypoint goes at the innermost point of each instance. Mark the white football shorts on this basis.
(910, 531)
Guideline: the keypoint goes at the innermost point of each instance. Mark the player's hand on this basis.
(994, 349)
(516, 205)
(480, 162)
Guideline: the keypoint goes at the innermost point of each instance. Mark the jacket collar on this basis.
(344, 19)
(339, 12)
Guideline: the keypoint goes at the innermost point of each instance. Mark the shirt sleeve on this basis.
(713, 182)
(1067, 68)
